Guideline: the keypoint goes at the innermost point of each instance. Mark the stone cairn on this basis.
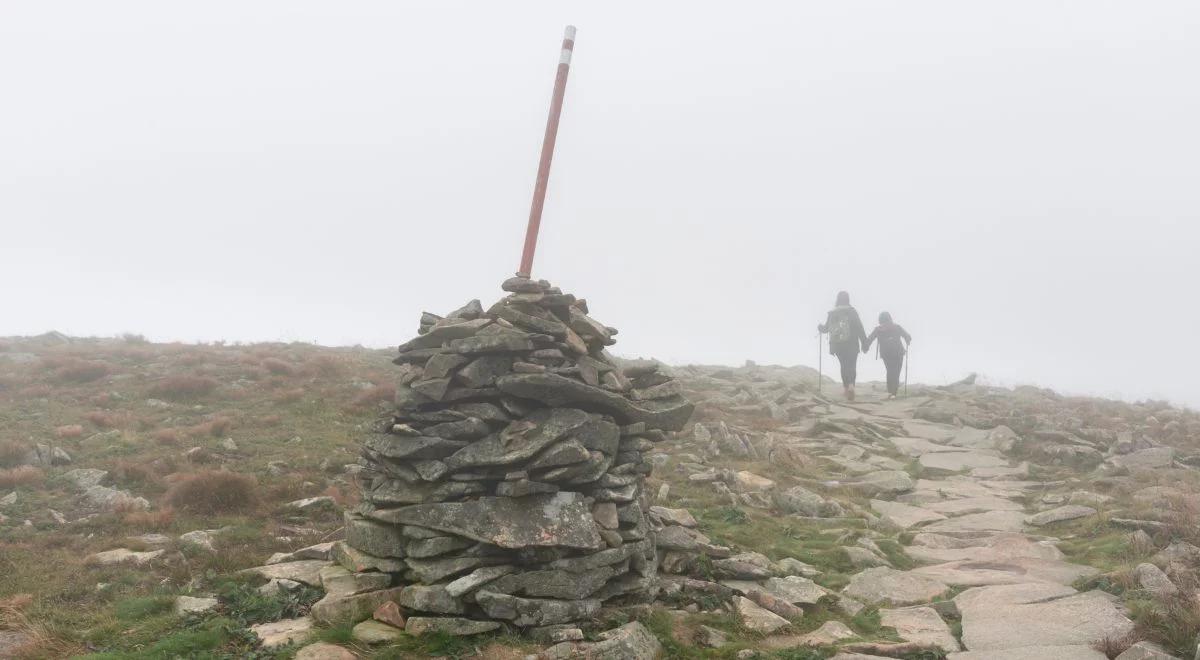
(506, 487)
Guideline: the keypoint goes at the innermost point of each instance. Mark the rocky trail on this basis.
(972, 532)
(978, 510)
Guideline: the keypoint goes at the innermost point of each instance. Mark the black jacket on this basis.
(889, 349)
(858, 334)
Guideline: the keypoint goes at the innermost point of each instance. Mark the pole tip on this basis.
(569, 33)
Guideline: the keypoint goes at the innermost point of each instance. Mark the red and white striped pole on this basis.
(543, 173)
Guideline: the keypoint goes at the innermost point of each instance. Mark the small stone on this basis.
(425, 598)
(421, 625)
(229, 445)
(198, 539)
(188, 605)
(1060, 514)
(1146, 651)
(277, 586)
(710, 637)
(390, 614)
(123, 556)
(281, 633)
(324, 651)
(1153, 579)
(756, 618)
(748, 482)
(605, 514)
(375, 632)
(85, 478)
(313, 503)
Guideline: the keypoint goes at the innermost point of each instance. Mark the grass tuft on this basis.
(214, 491)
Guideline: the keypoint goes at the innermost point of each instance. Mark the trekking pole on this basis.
(820, 358)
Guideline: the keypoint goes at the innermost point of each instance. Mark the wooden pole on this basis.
(543, 173)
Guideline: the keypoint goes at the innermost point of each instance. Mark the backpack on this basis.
(891, 345)
(842, 331)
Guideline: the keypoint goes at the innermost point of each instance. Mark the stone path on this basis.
(972, 533)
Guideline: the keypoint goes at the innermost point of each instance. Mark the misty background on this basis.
(1015, 182)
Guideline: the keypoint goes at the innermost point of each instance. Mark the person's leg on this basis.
(847, 368)
(893, 374)
(849, 359)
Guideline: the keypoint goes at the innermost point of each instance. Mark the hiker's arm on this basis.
(907, 337)
(824, 327)
(870, 338)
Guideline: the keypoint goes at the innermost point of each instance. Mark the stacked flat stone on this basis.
(507, 485)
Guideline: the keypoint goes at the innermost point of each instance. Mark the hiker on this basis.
(846, 336)
(893, 342)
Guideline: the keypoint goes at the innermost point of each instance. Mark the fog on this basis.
(1015, 182)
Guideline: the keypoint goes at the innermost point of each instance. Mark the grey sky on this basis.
(1015, 181)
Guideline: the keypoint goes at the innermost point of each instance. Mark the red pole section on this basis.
(543, 173)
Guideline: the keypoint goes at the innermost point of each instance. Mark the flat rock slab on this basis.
(281, 633)
(829, 634)
(883, 482)
(903, 515)
(920, 625)
(756, 618)
(1060, 514)
(1074, 620)
(919, 447)
(1021, 470)
(959, 461)
(1001, 547)
(307, 571)
(964, 486)
(1146, 459)
(1018, 570)
(964, 505)
(915, 447)
(916, 428)
(795, 590)
(989, 521)
(892, 587)
(1077, 652)
(553, 519)
(1146, 651)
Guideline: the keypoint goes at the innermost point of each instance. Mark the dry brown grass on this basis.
(35, 392)
(324, 365)
(214, 491)
(183, 387)
(166, 437)
(290, 395)
(149, 520)
(12, 453)
(68, 369)
(108, 420)
(278, 367)
(373, 396)
(216, 427)
(138, 474)
(68, 432)
(38, 643)
(25, 475)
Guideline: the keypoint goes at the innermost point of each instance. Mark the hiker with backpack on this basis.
(893, 345)
(846, 337)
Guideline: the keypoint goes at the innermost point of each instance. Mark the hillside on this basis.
(790, 524)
